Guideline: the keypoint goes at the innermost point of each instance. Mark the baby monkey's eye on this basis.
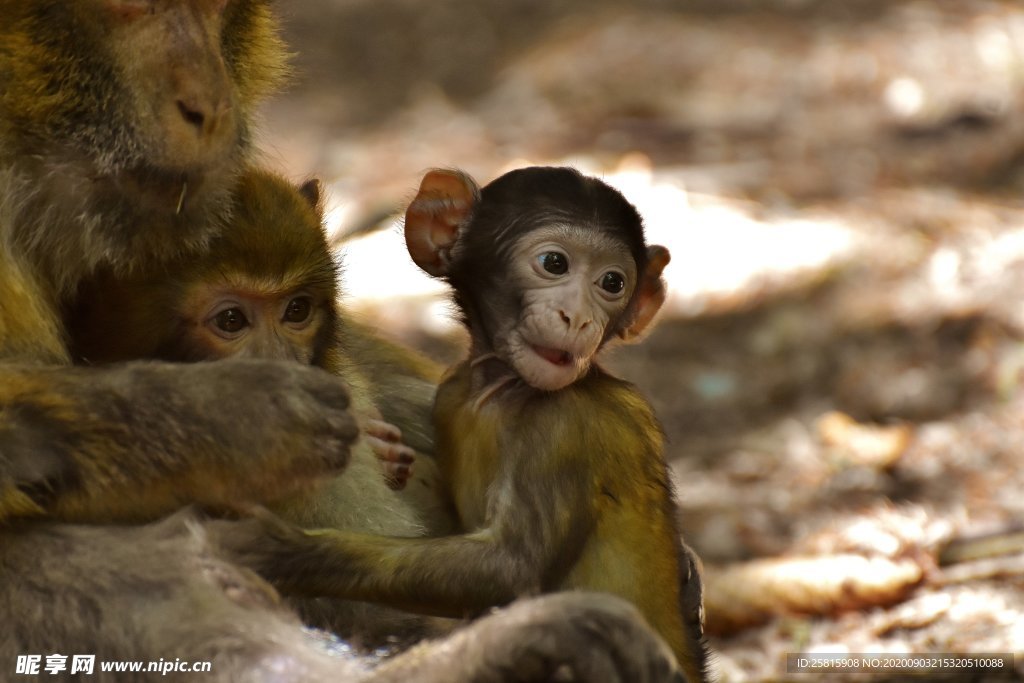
(613, 282)
(554, 262)
(298, 310)
(231, 320)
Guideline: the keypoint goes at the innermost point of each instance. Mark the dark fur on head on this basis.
(522, 200)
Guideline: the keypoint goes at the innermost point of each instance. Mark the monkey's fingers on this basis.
(32, 475)
(179, 441)
(395, 458)
(256, 538)
(389, 452)
(397, 476)
(385, 431)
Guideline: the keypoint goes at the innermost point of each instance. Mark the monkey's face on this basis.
(574, 284)
(184, 104)
(146, 86)
(254, 322)
(545, 263)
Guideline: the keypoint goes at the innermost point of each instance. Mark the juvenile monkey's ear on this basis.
(651, 292)
(443, 204)
(312, 192)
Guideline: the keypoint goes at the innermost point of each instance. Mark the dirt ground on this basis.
(840, 181)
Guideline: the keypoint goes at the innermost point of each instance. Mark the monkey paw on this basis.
(256, 538)
(235, 430)
(573, 636)
(396, 458)
(304, 409)
(34, 468)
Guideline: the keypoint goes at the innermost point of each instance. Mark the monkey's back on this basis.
(634, 550)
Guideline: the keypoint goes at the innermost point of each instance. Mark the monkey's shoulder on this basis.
(597, 418)
(600, 401)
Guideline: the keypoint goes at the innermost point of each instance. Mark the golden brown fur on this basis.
(123, 124)
(555, 488)
(103, 165)
(272, 249)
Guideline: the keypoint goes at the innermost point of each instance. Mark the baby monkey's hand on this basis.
(386, 441)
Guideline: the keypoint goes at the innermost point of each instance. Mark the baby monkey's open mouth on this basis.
(553, 356)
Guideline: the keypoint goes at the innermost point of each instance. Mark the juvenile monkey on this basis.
(265, 288)
(123, 124)
(556, 468)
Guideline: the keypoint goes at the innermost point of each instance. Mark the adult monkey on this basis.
(122, 124)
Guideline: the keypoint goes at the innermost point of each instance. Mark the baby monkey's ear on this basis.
(651, 292)
(313, 192)
(442, 206)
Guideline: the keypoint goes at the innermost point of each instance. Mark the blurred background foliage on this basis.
(840, 182)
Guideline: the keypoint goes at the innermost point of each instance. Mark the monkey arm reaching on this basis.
(533, 516)
(164, 590)
(71, 437)
(519, 550)
(565, 507)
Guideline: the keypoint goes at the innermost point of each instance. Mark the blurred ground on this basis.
(840, 183)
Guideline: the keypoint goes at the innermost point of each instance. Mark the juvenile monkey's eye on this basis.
(613, 282)
(554, 262)
(298, 310)
(231, 320)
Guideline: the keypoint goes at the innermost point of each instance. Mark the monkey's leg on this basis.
(567, 636)
(155, 593)
(162, 593)
(136, 441)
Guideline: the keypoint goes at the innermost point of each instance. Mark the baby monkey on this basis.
(266, 288)
(555, 468)
(547, 266)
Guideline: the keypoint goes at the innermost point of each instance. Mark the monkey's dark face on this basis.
(251, 320)
(546, 264)
(574, 284)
